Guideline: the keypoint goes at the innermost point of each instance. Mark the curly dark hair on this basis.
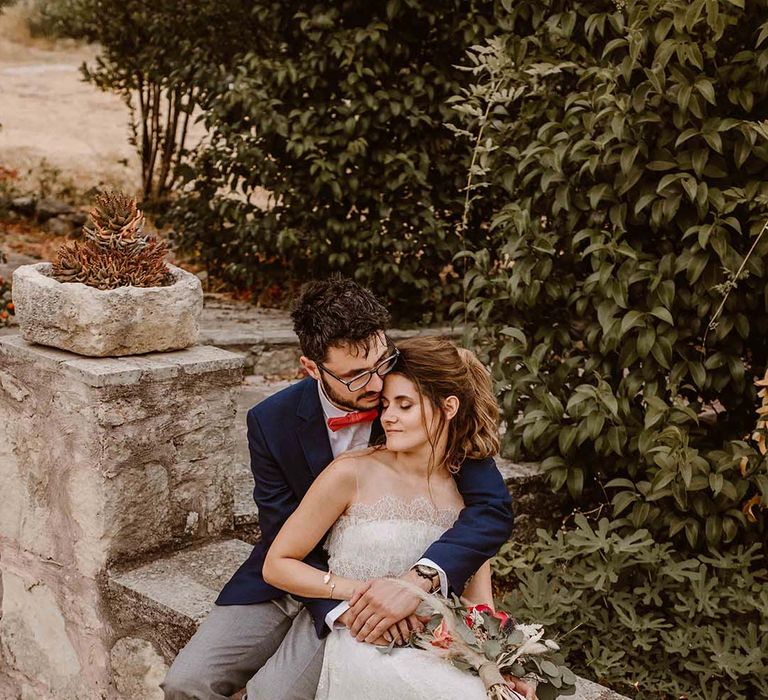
(336, 311)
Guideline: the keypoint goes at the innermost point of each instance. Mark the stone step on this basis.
(164, 601)
(265, 336)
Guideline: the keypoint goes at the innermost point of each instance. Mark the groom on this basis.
(258, 636)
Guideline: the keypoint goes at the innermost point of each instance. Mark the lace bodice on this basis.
(386, 537)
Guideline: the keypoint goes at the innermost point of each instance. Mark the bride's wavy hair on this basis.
(440, 369)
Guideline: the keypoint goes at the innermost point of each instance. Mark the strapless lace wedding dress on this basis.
(374, 540)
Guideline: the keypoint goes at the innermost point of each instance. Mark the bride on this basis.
(381, 508)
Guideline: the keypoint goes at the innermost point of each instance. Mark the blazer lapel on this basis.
(312, 432)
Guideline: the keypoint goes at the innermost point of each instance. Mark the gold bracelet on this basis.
(327, 581)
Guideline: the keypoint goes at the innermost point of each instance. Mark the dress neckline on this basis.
(390, 507)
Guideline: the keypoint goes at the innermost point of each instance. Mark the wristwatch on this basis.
(429, 573)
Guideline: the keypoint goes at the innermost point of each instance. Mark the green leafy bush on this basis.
(328, 150)
(644, 618)
(625, 148)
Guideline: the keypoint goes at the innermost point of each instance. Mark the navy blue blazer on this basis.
(289, 447)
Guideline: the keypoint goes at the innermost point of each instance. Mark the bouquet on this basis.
(492, 645)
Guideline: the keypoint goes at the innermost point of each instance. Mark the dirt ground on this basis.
(51, 120)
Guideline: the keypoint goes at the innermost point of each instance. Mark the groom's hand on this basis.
(524, 688)
(380, 604)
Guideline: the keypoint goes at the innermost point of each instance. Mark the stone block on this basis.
(128, 455)
(166, 599)
(534, 503)
(101, 461)
(137, 669)
(42, 655)
(101, 323)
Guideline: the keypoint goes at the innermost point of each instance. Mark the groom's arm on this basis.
(276, 502)
(483, 526)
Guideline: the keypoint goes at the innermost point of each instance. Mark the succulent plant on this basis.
(116, 252)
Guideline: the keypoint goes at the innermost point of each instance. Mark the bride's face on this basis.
(403, 417)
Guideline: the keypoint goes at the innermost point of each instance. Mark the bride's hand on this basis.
(377, 606)
(402, 631)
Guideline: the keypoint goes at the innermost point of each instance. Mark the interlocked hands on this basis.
(382, 611)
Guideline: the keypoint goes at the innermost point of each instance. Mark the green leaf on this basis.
(663, 315)
(643, 201)
(692, 532)
(699, 160)
(575, 482)
(620, 483)
(597, 193)
(662, 351)
(627, 159)
(696, 267)
(631, 320)
(666, 292)
(714, 139)
(698, 373)
(706, 90)
(393, 7)
(565, 439)
(763, 34)
(687, 134)
(645, 340)
(515, 333)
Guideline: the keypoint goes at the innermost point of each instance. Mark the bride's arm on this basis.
(326, 500)
(479, 590)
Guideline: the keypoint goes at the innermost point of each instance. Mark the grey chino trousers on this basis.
(271, 649)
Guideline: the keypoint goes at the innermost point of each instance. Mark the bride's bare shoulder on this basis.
(350, 463)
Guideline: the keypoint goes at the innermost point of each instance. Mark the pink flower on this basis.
(441, 637)
(501, 615)
(473, 615)
(483, 608)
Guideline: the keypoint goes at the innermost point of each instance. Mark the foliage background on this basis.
(627, 150)
(621, 300)
(338, 115)
(648, 620)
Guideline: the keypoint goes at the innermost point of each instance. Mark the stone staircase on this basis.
(164, 599)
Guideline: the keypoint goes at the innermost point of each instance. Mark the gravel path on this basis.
(48, 114)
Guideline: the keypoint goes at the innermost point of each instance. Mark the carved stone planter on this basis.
(106, 323)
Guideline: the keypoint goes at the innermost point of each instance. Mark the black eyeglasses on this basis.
(361, 380)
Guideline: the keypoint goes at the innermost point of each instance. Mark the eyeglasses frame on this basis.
(370, 372)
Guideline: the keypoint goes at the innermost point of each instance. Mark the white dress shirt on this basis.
(356, 437)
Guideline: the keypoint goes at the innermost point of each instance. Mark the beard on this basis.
(364, 402)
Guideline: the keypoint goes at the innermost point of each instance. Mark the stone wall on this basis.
(101, 460)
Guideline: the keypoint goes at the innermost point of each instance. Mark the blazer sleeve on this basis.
(482, 527)
(276, 502)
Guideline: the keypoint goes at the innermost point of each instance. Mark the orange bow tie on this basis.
(352, 419)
